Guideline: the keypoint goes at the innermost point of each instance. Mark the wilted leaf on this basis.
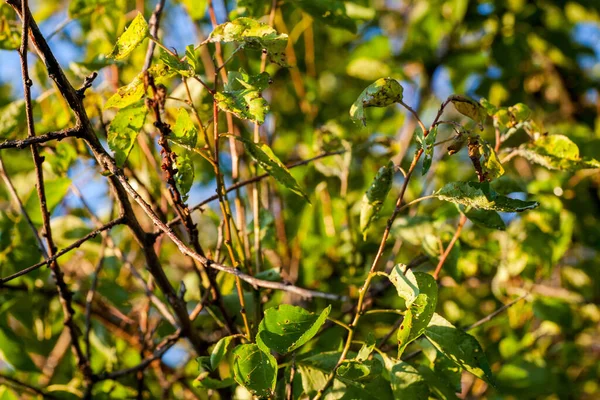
(556, 152)
(285, 328)
(242, 96)
(375, 196)
(459, 347)
(382, 93)
(252, 34)
(264, 156)
(124, 129)
(133, 36)
(469, 108)
(482, 196)
(255, 369)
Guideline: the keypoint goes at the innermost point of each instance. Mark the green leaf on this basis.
(382, 93)
(254, 35)
(460, 347)
(206, 382)
(438, 383)
(481, 196)
(192, 60)
(419, 313)
(330, 12)
(405, 282)
(556, 152)
(242, 96)
(134, 91)
(264, 156)
(13, 350)
(469, 108)
(219, 351)
(285, 328)
(183, 68)
(11, 117)
(133, 36)
(185, 175)
(56, 190)
(124, 129)
(255, 370)
(367, 348)
(375, 196)
(61, 159)
(196, 8)
(408, 383)
(354, 370)
(485, 218)
(184, 131)
(429, 142)
(491, 166)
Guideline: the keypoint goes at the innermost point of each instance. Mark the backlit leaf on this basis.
(469, 108)
(405, 282)
(219, 351)
(242, 96)
(184, 131)
(124, 129)
(185, 174)
(133, 36)
(481, 196)
(382, 93)
(134, 91)
(556, 152)
(255, 369)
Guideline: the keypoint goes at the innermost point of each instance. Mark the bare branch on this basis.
(22, 143)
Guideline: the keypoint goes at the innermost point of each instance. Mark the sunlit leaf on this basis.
(124, 129)
(556, 152)
(185, 174)
(184, 131)
(255, 369)
(359, 370)
(428, 148)
(243, 96)
(219, 351)
(183, 68)
(134, 91)
(252, 34)
(375, 196)
(382, 93)
(481, 196)
(405, 282)
(469, 108)
(490, 164)
(264, 156)
(285, 328)
(133, 36)
(459, 347)
(11, 117)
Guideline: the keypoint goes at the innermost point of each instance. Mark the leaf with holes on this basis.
(254, 35)
(124, 129)
(482, 196)
(242, 96)
(405, 281)
(460, 347)
(285, 328)
(264, 156)
(382, 93)
(255, 370)
(133, 36)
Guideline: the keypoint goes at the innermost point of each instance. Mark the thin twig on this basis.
(16, 382)
(438, 268)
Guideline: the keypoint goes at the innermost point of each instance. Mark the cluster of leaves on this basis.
(520, 149)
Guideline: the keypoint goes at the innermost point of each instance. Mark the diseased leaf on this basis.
(264, 156)
(490, 164)
(469, 108)
(252, 34)
(405, 282)
(556, 152)
(242, 96)
(184, 131)
(133, 36)
(285, 328)
(124, 129)
(428, 148)
(375, 196)
(382, 93)
(255, 370)
(134, 91)
(183, 68)
(330, 12)
(185, 175)
(219, 351)
(419, 313)
(407, 382)
(460, 347)
(481, 196)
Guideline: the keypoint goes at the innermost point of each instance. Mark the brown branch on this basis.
(154, 25)
(438, 268)
(22, 143)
